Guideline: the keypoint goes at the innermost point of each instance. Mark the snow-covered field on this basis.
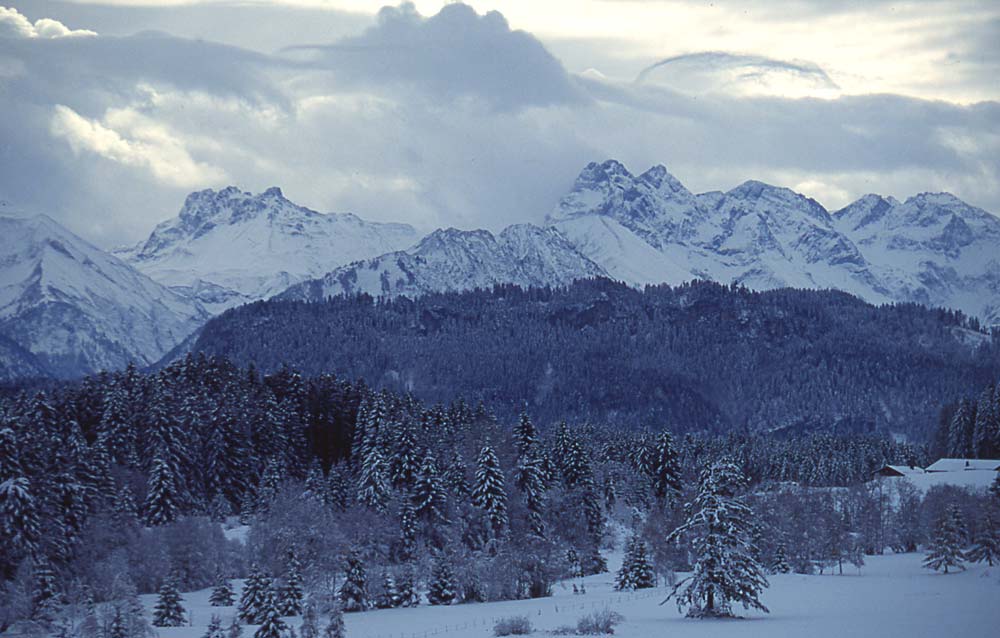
(892, 596)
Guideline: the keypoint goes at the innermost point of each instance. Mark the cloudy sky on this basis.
(480, 115)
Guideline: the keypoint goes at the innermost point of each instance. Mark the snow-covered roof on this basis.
(976, 481)
(958, 465)
(903, 469)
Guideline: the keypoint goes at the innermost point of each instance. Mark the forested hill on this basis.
(701, 356)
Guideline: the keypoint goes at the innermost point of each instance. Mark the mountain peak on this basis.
(230, 246)
(660, 178)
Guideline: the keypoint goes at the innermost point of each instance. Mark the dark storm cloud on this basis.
(453, 54)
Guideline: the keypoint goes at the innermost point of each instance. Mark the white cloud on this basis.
(13, 24)
(148, 145)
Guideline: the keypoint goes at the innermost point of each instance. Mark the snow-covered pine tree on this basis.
(162, 495)
(404, 463)
(625, 579)
(779, 564)
(525, 436)
(945, 550)
(168, 611)
(222, 594)
(995, 485)
(19, 523)
(443, 588)
(126, 512)
(338, 487)
(254, 596)
(429, 496)
(986, 545)
(407, 531)
(354, 590)
(373, 488)
(407, 587)
(455, 477)
(214, 629)
(985, 426)
(531, 482)
(387, 595)
(45, 596)
(271, 624)
(636, 571)
(961, 430)
(335, 628)
(291, 595)
(489, 492)
(720, 527)
(666, 470)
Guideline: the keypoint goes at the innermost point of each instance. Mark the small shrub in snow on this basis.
(513, 626)
(599, 623)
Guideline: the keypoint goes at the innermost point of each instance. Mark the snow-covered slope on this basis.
(932, 249)
(451, 260)
(228, 247)
(77, 309)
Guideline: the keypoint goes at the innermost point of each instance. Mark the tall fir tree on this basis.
(525, 436)
(222, 593)
(489, 492)
(986, 544)
(254, 596)
(945, 550)
(373, 488)
(407, 587)
(291, 595)
(19, 522)
(531, 482)
(779, 564)
(666, 470)
(354, 590)
(387, 595)
(271, 624)
(162, 494)
(442, 588)
(168, 611)
(455, 476)
(429, 496)
(636, 571)
(721, 529)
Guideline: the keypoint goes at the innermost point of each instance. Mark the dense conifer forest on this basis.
(117, 485)
(698, 357)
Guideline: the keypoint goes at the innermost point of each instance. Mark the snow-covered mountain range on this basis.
(932, 249)
(67, 307)
(453, 260)
(229, 247)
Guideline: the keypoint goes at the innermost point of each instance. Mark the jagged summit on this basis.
(931, 248)
(228, 247)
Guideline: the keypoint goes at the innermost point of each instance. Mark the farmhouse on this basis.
(964, 465)
(976, 474)
(898, 470)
